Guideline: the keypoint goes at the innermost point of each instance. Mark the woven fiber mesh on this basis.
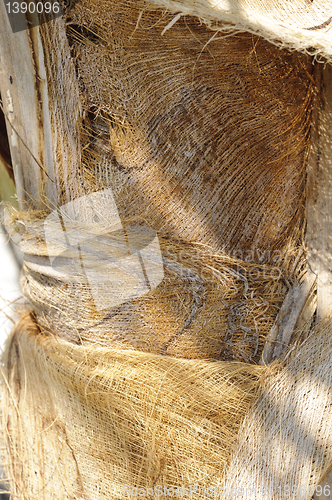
(86, 422)
(209, 305)
(288, 429)
(205, 136)
(204, 140)
(201, 132)
(108, 418)
(304, 25)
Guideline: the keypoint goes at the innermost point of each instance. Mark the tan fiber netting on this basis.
(208, 305)
(85, 422)
(304, 25)
(205, 142)
(203, 137)
(91, 423)
(285, 445)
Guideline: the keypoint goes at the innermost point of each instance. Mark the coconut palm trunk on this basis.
(172, 166)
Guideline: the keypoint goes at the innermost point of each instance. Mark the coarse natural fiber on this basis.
(287, 434)
(83, 422)
(209, 305)
(304, 25)
(86, 422)
(202, 137)
(204, 146)
(201, 129)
